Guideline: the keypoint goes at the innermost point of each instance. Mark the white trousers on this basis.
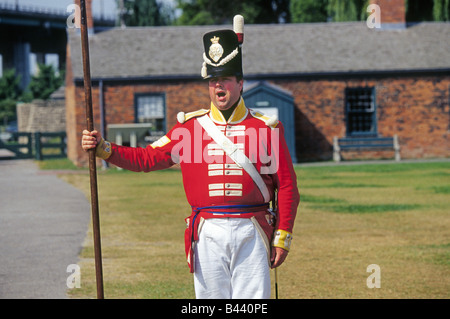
(231, 261)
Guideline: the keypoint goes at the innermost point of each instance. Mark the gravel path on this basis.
(43, 223)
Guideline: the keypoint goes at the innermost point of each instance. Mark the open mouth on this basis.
(221, 96)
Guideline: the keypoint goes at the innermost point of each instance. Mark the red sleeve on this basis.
(137, 159)
(286, 180)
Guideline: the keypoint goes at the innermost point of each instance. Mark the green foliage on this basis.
(146, 13)
(355, 10)
(441, 10)
(207, 12)
(7, 109)
(45, 82)
(344, 10)
(308, 11)
(9, 94)
(328, 10)
(9, 85)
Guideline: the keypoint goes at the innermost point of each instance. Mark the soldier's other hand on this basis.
(278, 256)
(89, 140)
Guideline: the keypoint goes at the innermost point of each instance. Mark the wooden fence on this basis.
(39, 145)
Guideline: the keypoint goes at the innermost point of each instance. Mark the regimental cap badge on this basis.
(222, 54)
(215, 50)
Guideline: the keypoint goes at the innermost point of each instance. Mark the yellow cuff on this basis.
(282, 239)
(103, 149)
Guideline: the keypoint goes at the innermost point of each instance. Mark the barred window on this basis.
(360, 109)
(150, 108)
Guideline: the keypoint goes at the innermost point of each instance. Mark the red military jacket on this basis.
(210, 177)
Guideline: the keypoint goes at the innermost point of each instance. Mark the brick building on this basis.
(343, 79)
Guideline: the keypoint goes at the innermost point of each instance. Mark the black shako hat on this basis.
(223, 54)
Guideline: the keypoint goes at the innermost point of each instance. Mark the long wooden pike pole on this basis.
(92, 163)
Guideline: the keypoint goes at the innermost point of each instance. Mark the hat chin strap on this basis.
(204, 72)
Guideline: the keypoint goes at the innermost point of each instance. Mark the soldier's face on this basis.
(225, 91)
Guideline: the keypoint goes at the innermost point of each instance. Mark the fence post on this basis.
(29, 145)
(37, 146)
(63, 144)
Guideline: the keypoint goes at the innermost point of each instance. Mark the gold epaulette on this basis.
(271, 121)
(183, 117)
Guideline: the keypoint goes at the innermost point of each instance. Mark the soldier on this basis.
(238, 178)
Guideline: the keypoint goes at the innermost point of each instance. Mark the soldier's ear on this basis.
(240, 81)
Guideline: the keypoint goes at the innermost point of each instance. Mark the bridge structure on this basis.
(30, 35)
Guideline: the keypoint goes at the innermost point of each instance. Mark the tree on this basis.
(441, 10)
(347, 10)
(45, 82)
(9, 93)
(436, 10)
(144, 13)
(309, 11)
(328, 10)
(10, 85)
(207, 12)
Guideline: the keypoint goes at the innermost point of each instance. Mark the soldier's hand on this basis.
(89, 140)
(278, 256)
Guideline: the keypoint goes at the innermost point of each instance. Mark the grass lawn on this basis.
(351, 216)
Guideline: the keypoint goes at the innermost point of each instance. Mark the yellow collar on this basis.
(238, 115)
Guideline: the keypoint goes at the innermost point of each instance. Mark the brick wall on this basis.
(392, 11)
(416, 109)
(120, 109)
